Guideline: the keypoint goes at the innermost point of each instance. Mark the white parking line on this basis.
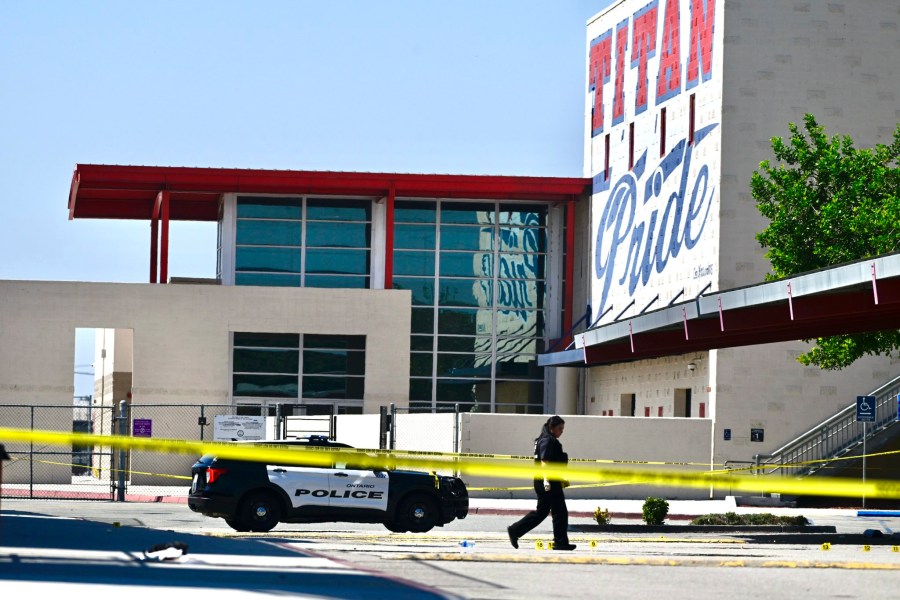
(269, 564)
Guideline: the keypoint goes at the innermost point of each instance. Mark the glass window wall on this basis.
(299, 367)
(324, 242)
(477, 275)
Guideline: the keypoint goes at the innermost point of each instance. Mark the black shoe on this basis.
(566, 546)
(512, 539)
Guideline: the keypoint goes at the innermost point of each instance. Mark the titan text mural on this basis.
(652, 127)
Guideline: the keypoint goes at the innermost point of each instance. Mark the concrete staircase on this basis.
(834, 447)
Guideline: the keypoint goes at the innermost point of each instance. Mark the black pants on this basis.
(553, 501)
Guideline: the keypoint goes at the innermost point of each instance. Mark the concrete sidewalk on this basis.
(626, 515)
(681, 512)
(852, 525)
(45, 556)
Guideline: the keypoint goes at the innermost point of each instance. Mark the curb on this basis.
(67, 495)
(632, 528)
(579, 514)
(855, 539)
(157, 499)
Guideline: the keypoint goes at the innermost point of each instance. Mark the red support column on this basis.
(154, 239)
(389, 240)
(570, 271)
(164, 243)
(154, 248)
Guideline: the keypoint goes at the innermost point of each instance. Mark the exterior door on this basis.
(306, 486)
(355, 488)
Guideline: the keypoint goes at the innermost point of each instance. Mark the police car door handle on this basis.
(341, 475)
(280, 470)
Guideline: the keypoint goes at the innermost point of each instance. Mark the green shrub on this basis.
(728, 518)
(712, 519)
(602, 516)
(655, 511)
(731, 518)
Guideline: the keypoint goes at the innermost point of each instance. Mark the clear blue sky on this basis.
(472, 87)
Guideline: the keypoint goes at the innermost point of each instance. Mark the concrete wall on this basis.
(181, 339)
(610, 438)
(426, 432)
(765, 387)
(653, 382)
(360, 431)
(607, 439)
(838, 61)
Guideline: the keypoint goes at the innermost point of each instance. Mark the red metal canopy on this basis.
(130, 192)
(164, 194)
(856, 297)
(841, 311)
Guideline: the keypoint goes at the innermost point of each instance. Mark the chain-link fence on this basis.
(45, 471)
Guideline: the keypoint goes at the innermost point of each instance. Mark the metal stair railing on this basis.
(832, 438)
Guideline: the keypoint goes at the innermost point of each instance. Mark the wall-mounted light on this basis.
(692, 366)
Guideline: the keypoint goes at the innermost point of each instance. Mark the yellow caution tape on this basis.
(108, 469)
(805, 463)
(530, 487)
(505, 457)
(580, 472)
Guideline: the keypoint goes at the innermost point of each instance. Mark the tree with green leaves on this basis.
(828, 203)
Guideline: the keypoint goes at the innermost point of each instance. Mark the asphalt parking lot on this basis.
(101, 549)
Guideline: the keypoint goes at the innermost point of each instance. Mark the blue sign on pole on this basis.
(865, 408)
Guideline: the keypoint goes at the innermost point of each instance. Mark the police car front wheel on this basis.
(418, 513)
(395, 527)
(260, 511)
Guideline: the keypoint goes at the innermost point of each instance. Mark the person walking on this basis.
(548, 451)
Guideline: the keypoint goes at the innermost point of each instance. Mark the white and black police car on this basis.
(254, 496)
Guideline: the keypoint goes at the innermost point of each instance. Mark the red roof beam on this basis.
(183, 179)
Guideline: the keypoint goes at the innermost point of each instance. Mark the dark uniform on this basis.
(547, 449)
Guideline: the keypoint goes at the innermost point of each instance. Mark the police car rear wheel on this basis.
(260, 511)
(418, 513)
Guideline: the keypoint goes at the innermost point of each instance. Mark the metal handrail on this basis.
(833, 437)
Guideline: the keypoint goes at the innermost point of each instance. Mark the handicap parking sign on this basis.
(865, 408)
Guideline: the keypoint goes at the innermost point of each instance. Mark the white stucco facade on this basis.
(180, 335)
(181, 349)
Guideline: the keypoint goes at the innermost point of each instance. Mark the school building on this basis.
(342, 292)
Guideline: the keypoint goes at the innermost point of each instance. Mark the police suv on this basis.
(254, 496)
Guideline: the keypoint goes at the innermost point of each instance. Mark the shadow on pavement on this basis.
(41, 549)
